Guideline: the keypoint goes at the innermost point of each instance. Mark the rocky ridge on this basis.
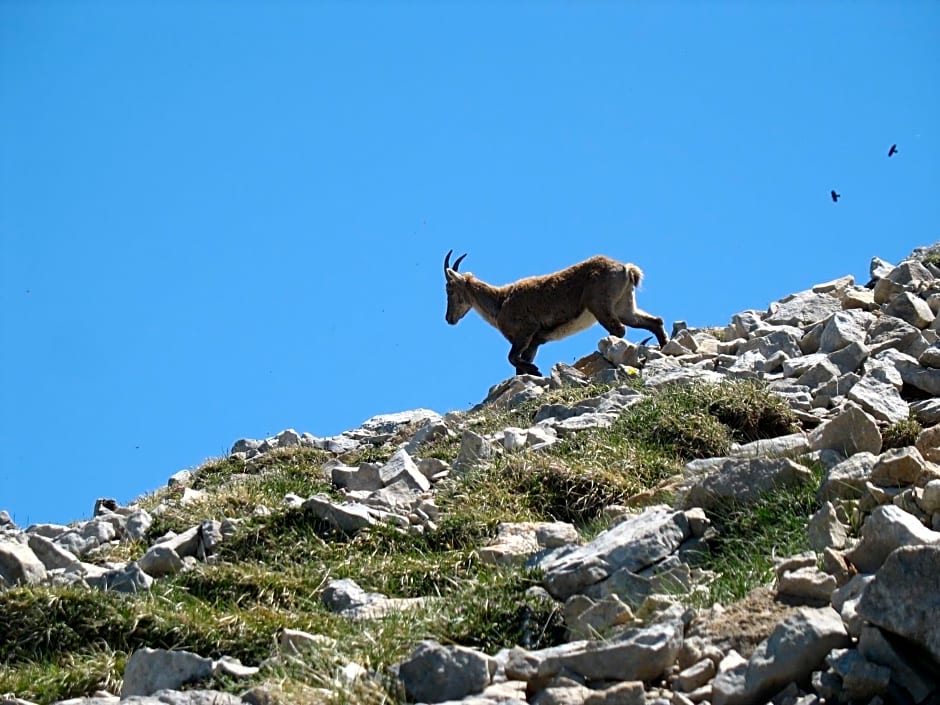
(853, 621)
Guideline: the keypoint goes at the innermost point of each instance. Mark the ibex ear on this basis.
(453, 276)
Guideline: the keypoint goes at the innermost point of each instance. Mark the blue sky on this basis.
(223, 219)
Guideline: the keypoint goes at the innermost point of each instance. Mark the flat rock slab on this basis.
(633, 544)
(744, 480)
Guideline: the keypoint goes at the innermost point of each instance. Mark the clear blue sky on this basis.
(223, 219)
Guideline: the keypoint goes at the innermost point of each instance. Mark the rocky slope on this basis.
(854, 620)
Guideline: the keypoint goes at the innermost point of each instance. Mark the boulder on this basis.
(19, 565)
(901, 466)
(887, 529)
(911, 309)
(793, 651)
(633, 544)
(149, 670)
(743, 480)
(436, 673)
(851, 431)
(904, 597)
(639, 654)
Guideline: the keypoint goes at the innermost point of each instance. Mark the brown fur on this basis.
(538, 309)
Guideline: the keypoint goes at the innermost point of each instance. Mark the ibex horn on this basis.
(456, 264)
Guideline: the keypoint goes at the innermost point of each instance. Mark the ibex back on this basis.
(534, 310)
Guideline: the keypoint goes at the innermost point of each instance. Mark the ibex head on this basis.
(458, 299)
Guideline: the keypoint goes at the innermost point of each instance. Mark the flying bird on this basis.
(893, 150)
(835, 196)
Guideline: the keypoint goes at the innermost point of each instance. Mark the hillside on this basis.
(750, 513)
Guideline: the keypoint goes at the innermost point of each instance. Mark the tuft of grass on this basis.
(701, 420)
(676, 421)
(751, 411)
(901, 434)
(500, 611)
(72, 675)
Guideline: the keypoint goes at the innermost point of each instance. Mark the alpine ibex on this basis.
(534, 310)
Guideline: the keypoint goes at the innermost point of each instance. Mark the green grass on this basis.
(58, 642)
(901, 434)
(749, 536)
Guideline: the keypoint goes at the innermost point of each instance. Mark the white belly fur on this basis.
(576, 325)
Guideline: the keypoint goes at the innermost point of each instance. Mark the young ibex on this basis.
(534, 310)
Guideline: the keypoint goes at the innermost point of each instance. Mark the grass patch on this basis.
(72, 675)
(749, 536)
(702, 420)
(901, 434)
(632, 462)
(235, 488)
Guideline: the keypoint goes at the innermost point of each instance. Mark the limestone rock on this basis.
(889, 332)
(930, 499)
(848, 479)
(517, 542)
(19, 565)
(474, 450)
(843, 328)
(931, 356)
(382, 427)
(900, 466)
(149, 670)
(904, 597)
(880, 399)
(137, 525)
(887, 529)
(911, 309)
(915, 679)
(913, 374)
(695, 676)
(806, 585)
(50, 554)
(633, 544)
(436, 673)
(794, 650)
(790, 446)
(928, 443)
(365, 478)
(851, 431)
(160, 560)
(639, 654)
(590, 619)
(825, 530)
(743, 480)
(129, 579)
(401, 468)
(347, 517)
(862, 680)
(802, 309)
(618, 351)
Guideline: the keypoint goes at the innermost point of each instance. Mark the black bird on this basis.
(893, 150)
(835, 196)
